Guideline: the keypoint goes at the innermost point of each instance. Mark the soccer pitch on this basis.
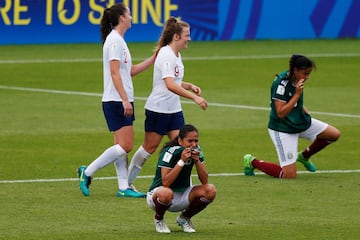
(51, 122)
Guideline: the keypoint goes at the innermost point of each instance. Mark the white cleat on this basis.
(186, 224)
(161, 227)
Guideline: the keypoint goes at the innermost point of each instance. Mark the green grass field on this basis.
(51, 122)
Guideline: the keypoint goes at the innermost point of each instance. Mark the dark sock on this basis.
(271, 169)
(160, 209)
(315, 147)
(195, 207)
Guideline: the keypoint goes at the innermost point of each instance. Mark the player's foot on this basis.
(85, 181)
(186, 224)
(248, 168)
(130, 193)
(308, 164)
(161, 227)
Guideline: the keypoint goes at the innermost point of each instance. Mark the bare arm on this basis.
(169, 175)
(284, 108)
(140, 67)
(116, 78)
(192, 87)
(181, 91)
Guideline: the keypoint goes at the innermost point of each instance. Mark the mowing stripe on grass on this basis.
(183, 101)
(201, 58)
(151, 176)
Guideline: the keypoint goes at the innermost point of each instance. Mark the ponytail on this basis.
(172, 27)
(110, 19)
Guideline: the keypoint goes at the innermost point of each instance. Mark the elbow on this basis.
(170, 88)
(166, 183)
(281, 114)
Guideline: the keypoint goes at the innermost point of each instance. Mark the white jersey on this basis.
(115, 48)
(167, 64)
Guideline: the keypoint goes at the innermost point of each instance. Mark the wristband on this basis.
(181, 163)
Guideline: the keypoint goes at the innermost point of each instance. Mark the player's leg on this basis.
(286, 149)
(124, 137)
(321, 134)
(199, 197)
(149, 146)
(156, 125)
(160, 199)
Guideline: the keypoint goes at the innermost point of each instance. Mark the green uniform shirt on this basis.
(168, 159)
(297, 120)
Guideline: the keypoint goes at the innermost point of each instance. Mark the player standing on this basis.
(117, 99)
(163, 110)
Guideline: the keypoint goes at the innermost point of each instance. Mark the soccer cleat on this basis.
(186, 224)
(161, 227)
(308, 164)
(248, 168)
(85, 181)
(130, 193)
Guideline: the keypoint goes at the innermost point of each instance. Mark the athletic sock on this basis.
(196, 206)
(315, 147)
(160, 209)
(271, 169)
(110, 155)
(137, 161)
(121, 167)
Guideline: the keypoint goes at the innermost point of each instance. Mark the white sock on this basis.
(121, 167)
(108, 156)
(137, 161)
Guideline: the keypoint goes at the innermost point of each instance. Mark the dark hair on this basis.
(172, 27)
(110, 19)
(182, 133)
(299, 62)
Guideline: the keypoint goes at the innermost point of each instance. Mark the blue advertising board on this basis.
(77, 21)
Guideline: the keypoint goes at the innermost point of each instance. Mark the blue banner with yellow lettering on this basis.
(77, 21)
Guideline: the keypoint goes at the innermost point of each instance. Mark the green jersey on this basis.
(297, 120)
(168, 159)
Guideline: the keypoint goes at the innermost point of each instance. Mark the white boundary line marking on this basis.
(151, 176)
(184, 101)
(201, 58)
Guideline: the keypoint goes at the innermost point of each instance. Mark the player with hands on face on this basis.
(172, 189)
(289, 120)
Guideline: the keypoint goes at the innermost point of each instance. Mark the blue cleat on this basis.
(306, 162)
(85, 181)
(130, 193)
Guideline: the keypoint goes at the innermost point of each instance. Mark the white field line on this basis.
(143, 98)
(151, 176)
(184, 101)
(201, 58)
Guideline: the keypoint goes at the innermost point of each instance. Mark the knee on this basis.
(337, 134)
(333, 134)
(127, 147)
(289, 173)
(165, 195)
(150, 147)
(210, 191)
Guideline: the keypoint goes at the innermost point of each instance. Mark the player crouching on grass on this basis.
(289, 120)
(172, 190)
